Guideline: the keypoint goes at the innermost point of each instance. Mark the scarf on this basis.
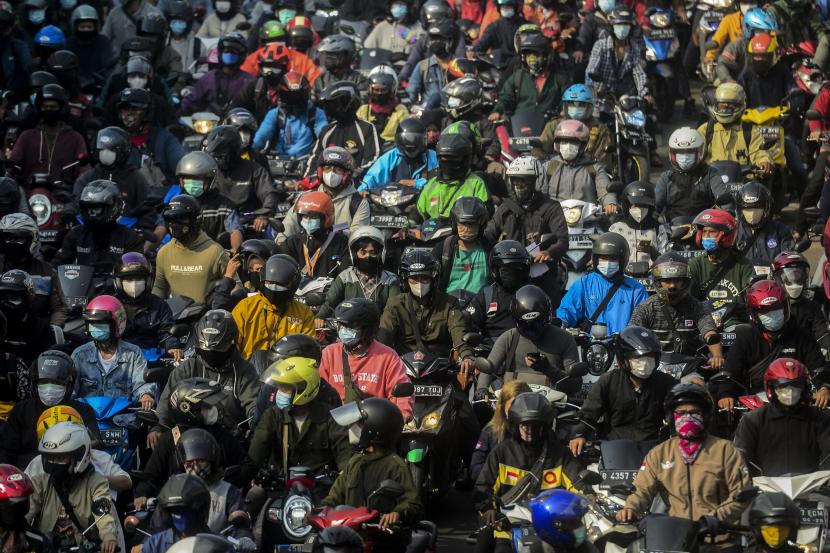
(690, 429)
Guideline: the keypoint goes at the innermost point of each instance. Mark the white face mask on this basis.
(51, 394)
(245, 136)
(507, 12)
(137, 82)
(332, 179)
(354, 434)
(107, 157)
(134, 288)
(210, 415)
(223, 7)
(637, 213)
(794, 290)
(420, 289)
(685, 161)
(752, 216)
(568, 151)
(788, 396)
(642, 367)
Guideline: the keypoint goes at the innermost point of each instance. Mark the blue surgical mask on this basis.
(286, 15)
(229, 58)
(772, 321)
(577, 112)
(621, 31)
(709, 244)
(185, 521)
(347, 335)
(608, 268)
(99, 332)
(310, 224)
(178, 26)
(283, 400)
(32, 98)
(399, 11)
(606, 6)
(37, 16)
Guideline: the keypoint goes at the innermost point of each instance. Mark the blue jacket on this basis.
(159, 542)
(125, 379)
(296, 138)
(167, 151)
(425, 88)
(587, 293)
(382, 172)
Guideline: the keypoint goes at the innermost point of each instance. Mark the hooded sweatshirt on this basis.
(189, 270)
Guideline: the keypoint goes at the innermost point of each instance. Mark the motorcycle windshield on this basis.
(347, 415)
(526, 123)
(106, 407)
(665, 533)
(793, 486)
(76, 281)
(623, 454)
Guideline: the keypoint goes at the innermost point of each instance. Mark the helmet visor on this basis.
(347, 415)
(775, 536)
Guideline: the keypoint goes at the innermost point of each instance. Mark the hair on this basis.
(508, 392)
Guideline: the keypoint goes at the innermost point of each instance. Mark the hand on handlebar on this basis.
(489, 517)
(610, 209)
(140, 503)
(626, 515)
(577, 445)
(260, 223)
(246, 545)
(765, 166)
(109, 546)
(153, 439)
(147, 402)
(727, 403)
(495, 116)
(717, 363)
(822, 398)
(176, 354)
(389, 519)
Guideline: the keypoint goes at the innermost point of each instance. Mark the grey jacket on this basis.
(583, 179)
(120, 26)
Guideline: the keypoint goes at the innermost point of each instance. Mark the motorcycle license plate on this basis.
(689, 254)
(811, 513)
(661, 34)
(727, 339)
(112, 436)
(283, 208)
(428, 391)
(580, 243)
(618, 476)
(388, 221)
(770, 133)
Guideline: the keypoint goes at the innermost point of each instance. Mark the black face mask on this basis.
(279, 299)
(216, 360)
(223, 160)
(16, 252)
(255, 279)
(452, 169)
(86, 37)
(367, 265)
(13, 304)
(51, 116)
(13, 516)
(56, 470)
(440, 48)
(513, 276)
(183, 232)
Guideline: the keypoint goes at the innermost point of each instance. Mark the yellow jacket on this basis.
(260, 325)
(728, 144)
(388, 132)
(730, 28)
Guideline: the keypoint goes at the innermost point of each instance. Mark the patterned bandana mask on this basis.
(690, 428)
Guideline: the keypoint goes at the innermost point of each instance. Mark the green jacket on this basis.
(363, 475)
(321, 442)
(441, 323)
(731, 287)
(519, 94)
(438, 197)
(346, 286)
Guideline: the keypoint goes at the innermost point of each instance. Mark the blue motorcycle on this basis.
(662, 46)
(116, 425)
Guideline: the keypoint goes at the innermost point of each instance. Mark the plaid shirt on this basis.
(630, 77)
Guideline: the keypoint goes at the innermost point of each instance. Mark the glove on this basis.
(246, 545)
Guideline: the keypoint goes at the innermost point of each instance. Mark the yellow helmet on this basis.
(54, 415)
(730, 103)
(300, 372)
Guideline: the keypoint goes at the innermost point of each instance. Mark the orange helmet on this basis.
(316, 203)
(53, 415)
(275, 55)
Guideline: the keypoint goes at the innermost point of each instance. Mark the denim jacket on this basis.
(125, 379)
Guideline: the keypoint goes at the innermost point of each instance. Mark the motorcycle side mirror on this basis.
(179, 330)
(472, 339)
(721, 376)
(239, 519)
(232, 471)
(812, 115)
(315, 299)
(803, 245)
(335, 259)
(390, 488)
(101, 507)
(711, 45)
(403, 389)
(590, 477)
(149, 418)
(276, 224)
(131, 523)
(679, 233)
(578, 370)
(83, 158)
(750, 492)
(243, 26)
(484, 365)
(157, 375)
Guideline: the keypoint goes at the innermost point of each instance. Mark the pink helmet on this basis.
(571, 129)
(107, 309)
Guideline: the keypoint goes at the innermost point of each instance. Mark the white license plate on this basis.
(611, 476)
(580, 243)
(388, 221)
(660, 34)
(428, 391)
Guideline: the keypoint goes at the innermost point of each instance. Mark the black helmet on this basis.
(774, 509)
(754, 204)
(199, 444)
(192, 398)
(224, 144)
(530, 407)
(182, 215)
(184, 491)
(462, 96)
(433, 11)
(638, 350)
(177, 9)
(197, 173)
(360, 314)
(53, 92)
(535, 43)
(134, 97)
(300, 37)
(257, 247)
(532, 311)
(296, 345)
(469, 209)
(510, 259)
(241, 118)
(62, 61)
(411, 137)
(338, 538)
(116, 140)
(153, 25)
(671, 266)
(131, 268)
(454, 156)
(234, 43)
(280, 279)
(55, 365)
(39, 79)
(611, 244)
(638, 193)
(620, 16)
(417, 262)
(688, 393)
(382, 421)
(18, 283)
(383, 85)
(444, 29)
(337, 44)
(216, 331)
(340, 100)
(101, 203)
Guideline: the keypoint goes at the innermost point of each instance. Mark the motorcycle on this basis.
(662, 46)
(426, 235)
(199, 125)
(525, 129)
(118, 428)
(583, 220)
(596, 349)
(48, 200)
(284, 168)
(713, 12)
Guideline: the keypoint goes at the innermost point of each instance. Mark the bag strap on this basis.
(347, 375)
(529, 482)
(726, 267)
(285, 424)
(416, 329)
(602, 305)
(67, 506)
(511, 353)
(664, 307)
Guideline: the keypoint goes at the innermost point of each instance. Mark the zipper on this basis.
(689, 482)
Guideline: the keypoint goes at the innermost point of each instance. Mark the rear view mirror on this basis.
(403, 389)
(472, 339)
(101, 507)
(239, 519)
(150, 418)
(812, 115)
(725, 198)
(750, 492)
(597, 77)
(578, 370)
(179, 330)
(803, 245)
(679, 233)
(615, 187)
(314, 299)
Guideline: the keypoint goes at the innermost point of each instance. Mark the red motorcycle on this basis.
(48, 200)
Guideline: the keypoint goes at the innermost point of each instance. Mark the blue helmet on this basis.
(51, 36)
(578, 93)
(758, 19)
(557, 517)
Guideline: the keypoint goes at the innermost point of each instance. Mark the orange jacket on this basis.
(729, 29)
(299, 62)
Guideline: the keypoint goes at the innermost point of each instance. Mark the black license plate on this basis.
(811, 513)
(660, 34)
(579, 243)
(727, 338)
(388, 221)
(618, 476)
(428, 391)
(112, 436)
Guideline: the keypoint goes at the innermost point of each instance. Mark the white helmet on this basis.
(362, 232)
(20, 222)
(525, 168)
(66, 439)
(686, 147)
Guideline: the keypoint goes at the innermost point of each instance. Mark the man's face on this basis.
(709, 232)
(367, 251)
(86, 26)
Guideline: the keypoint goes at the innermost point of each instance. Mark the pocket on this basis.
(89, 385)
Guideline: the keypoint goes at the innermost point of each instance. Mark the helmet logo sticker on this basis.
(418, 356)
(772, 243)
(416, 267)
(530, 316)
(769, 300)
(210, 331)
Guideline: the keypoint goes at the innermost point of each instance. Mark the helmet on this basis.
(360, 314)
(454, 156)
(754, 204)
(338, 51)
(775, 519)
(116, 140)
(101, 203)
(729, 104)
(530, 407)
(54, 415)
(532, 311)
(469, 209)
(462, 96)
(10, 196)
(199, 444)
(686, 148)
(271, 31)
(55, 365)
(621, 16)
(282, 276)
(192, 397)
(338, 538)
(720, 220)
(274, 61)
(789, 269)
(671, 266)
(340, 100)
(300, 33)
(383, 84)
(417, 262)
(294, 89)
(197, 173)
(611, 244)
(153, 25)
(556, 514)
(335, 156)
(443, 29)
(65, 439)
(758, 19)
(107, 309)
(184, 491)
(638, 193)
(362, 234)
(216, 331)
(578, 102)
(534, 49)
(224, 144)
(51, 37)
(763, 297)
(54, 92)
(411, 137)
(638, 351)
(261, 248)
(317, 203)
(182, 215)
(571, 129)
(509, 252)
(177, 9)
(233, 43)
(130, 269)
(84, 12)
(302, 373)
(21, 229)
(15, 485)
(202, 543)
(786, 371)
(462, 67)
(38, 79)
(688, 393)
(62, 61)
(139, 65)
(6, 13)
(382, 421)
(525, 29)
(762, 51)
(241, 118)
(465, 129)
(525, 175)
(296, 345)
(17, 290)
(433, 11)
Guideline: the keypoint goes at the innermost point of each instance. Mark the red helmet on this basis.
(107, 309)
(765, 296)
(784, 371)
(15, 486)
(792, 271)
(718, 219)
(316, 203)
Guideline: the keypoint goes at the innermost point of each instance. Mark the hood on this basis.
(201, 242)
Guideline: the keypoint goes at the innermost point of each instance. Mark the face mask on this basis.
(512, 278)
(333, 180)
(524, 194)
(245, 137)
(568, 151)
(283, 400)
(229, 58)
(772, 321)
(535, 63)
(210, 415)
(507, 12)
(467, 236)
(32, 98)
(137, 82)
(58, 471)
(107, 157)
(223, 7)
(642, 367)
(99, 332)
(794, 290)
(16, 252)
(285, 16)
(134, 288)
(753, 216)
(709, 244)
(367, 265)
(775, 536)
(50, 116)
(621, 31)
(51, 394)
(68, 4)
(178, 27)
(310, 224)
(37, 17)
(440, 48)
(200, 470)
(399, 11)
(194, 187)
(184, 521)
(688, 425)
(348, 336)
(606, 6)
(579, 535)
(685, 161)
(637, 213)
(789, 395)
(577, 112)
(214, 359)
(182, 232)
(608, 268)
(354, 434)
(420, 289)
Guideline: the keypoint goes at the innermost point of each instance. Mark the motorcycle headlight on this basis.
(635, 119)
(675, 46)
(651, 55)
(660, 20)
(203, 126)
(41, 208)
(390, 197)
(431, 421)
(294, 517)
(572, 215)
(722, 5)
(411, 426)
